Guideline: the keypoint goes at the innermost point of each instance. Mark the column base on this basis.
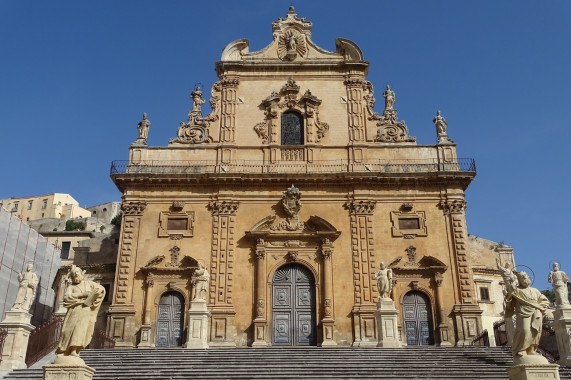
(198, 315)
(121, 325)
(443, 332)
(533, 367)
(387, 324)
(468, 322)
(222, 329)
(17, 323)
(145, 337)
(364, 326)
(328, 340)
(260, 333)
(562, 326)
(68, 371)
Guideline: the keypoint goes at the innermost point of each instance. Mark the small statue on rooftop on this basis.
(389, 96)
(441, 126)
(144, 128)
(559, 280)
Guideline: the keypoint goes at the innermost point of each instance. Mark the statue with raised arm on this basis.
(528, 305)
(143, 127)
(200, 280)
(82, 300)
(27, 290)
(559, 280)
(384, 278)
(510, 279)
(389, 96)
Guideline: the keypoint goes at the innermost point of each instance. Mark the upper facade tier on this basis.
(293, 103)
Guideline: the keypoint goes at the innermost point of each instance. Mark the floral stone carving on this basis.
(288, 98)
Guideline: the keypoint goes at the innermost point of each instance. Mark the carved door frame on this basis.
(419, 320)
(309, 244)
(182, 319)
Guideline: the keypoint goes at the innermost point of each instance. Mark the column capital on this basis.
(453, 206)
(133, 208)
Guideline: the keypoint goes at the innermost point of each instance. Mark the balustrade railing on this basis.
(482, 339)
(101, 340)
(43, 340)
(500, 334)
(292, 165)
(3, 335)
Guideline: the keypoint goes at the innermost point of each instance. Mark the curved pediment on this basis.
(292, 42)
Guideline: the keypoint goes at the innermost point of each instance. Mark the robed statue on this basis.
(200, 280)
(559, 280)
(529, 306)
(82, 299)
(27, 290)
(384, 278)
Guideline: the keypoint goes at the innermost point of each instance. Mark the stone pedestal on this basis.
(387, 327)
(17, 323)
(68, 368)
(533, 367)
(197, 325)
(562, 326)
(145, 337)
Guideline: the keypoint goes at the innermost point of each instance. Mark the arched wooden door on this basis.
(170, 320)
(418, 319)
(293, 307)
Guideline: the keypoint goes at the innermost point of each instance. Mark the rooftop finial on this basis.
(291, 8)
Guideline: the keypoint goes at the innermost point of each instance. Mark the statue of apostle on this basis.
(144, 128)
(200, 280)
(528, 305)
(26, 291)
(82, 299)
(559, 280)
(384, 281)
(389, 98)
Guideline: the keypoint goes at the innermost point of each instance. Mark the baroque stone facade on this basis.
(290, 192)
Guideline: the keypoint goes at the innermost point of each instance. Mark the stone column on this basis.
(146, 327)
(228, 109)
(355, 109)
(467, 313)
(442, 328)
(562, 325)
(328, 320)
(260, 322)
(17, 323)
(121, 324)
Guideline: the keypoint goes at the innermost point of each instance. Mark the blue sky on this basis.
(76, 76)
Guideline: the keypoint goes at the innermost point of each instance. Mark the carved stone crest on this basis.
(411, 253)
(175, 251)
(291, 34)
(291, 202)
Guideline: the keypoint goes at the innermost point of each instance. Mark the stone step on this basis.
(296, 363)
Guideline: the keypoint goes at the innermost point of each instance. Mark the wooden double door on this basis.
(170, 320)
(418, 319)
(293, 307)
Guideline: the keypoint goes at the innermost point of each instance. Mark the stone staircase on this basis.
(297, 363)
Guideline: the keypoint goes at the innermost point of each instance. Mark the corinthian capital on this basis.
(133, 208)
(455, 206)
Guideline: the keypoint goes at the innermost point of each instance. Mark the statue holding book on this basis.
(82, 299)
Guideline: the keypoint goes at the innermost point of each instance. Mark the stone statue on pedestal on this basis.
(144, 127)
(200, 280)
(528, 305)
(559, 280)
(389, 96)
(441, 126)
(384, 281)
(26, 291)
(82, 300)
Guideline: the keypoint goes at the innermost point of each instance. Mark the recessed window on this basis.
(177, 224)
(94, 212)
(409, 223)
(104, 209)
(15, 207)
(44, 204)
(65, 247)
(484, 294)
(292, 128)
(29, 205)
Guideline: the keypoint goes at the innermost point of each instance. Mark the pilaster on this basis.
(228, 109)
(442, 328)
(466, 311)
(260, 321)
(328, 320)
(363, 257)
(146, 327)
(121, 324)
(222, 329)
(355, 109)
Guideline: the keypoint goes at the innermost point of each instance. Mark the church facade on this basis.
(291, 192)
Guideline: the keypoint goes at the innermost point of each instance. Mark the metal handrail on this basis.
(101, 340)
(43, 340)
(482, 339)
(296, 167)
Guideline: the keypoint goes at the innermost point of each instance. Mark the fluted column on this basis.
(328, 320)
(260, 322)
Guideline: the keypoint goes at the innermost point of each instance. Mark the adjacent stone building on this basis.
(291, 192)
(54, 205)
